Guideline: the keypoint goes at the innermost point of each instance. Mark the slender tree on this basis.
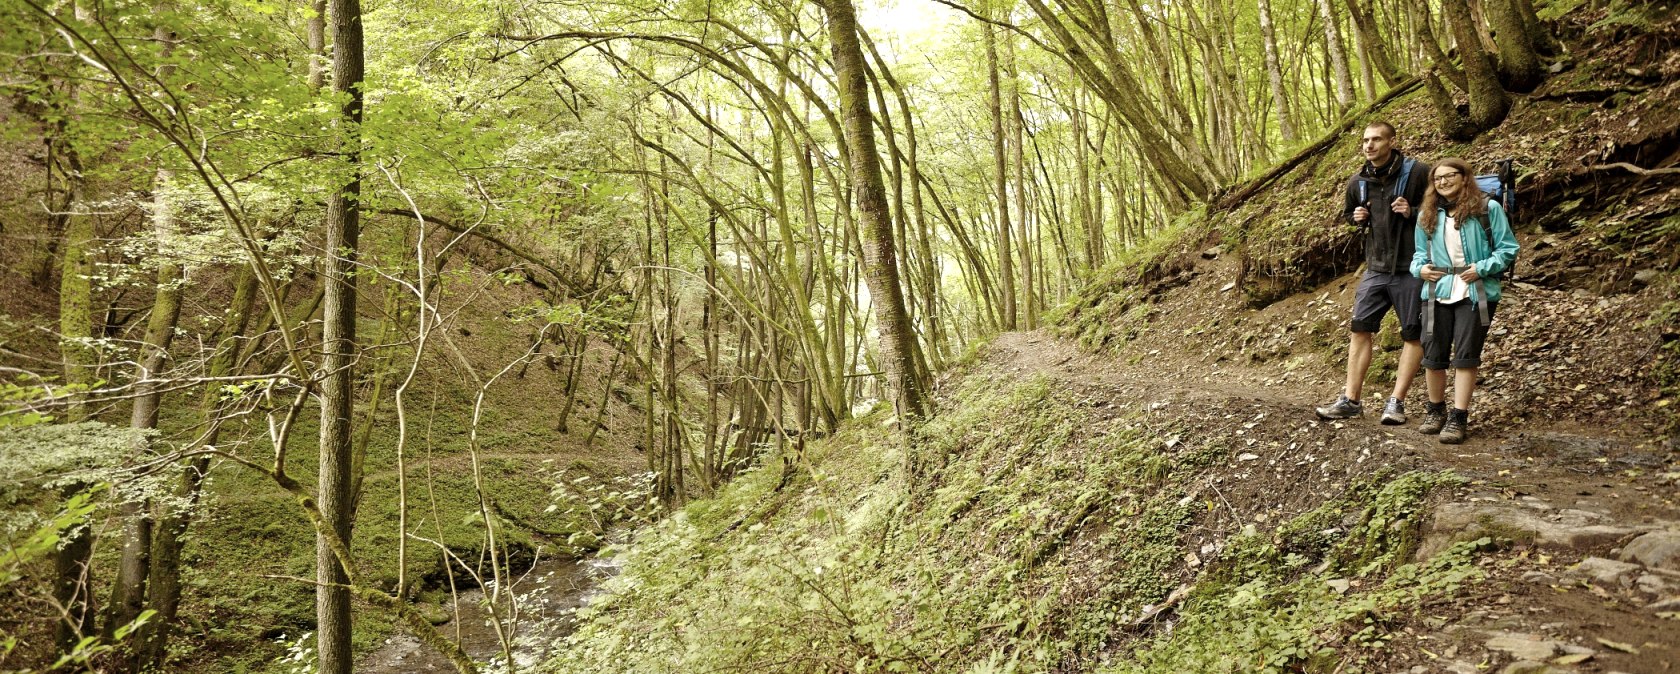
(1338, 54)
(869, 194)
(338, 343)
(1274, 73)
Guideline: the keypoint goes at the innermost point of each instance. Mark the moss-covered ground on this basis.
(1024, 528)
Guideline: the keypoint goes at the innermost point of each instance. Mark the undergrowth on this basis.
(1017, 532)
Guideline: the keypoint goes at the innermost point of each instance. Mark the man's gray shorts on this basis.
(1379, 292)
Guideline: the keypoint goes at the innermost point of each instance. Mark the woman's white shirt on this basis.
(1455, 253)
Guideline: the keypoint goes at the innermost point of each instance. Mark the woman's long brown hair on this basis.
(1470, 203)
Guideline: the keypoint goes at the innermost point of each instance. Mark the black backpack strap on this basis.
(1429, 288)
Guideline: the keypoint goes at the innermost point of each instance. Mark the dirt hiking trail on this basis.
(1575, 499)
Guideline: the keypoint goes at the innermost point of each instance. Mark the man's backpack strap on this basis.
(1405, 176)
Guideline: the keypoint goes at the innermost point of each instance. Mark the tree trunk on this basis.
(338, 344)
(73, 558)
(1338, 55)
(1274, 73)
(163, 587)
(1373, 51)
(1488, 101)
(1432, 47)
(128, 591)
(315, 32)
(1450, 121)
(1018, 168)
(869, 191)
(1000, 182)
(1519, 60)
(1538, 35)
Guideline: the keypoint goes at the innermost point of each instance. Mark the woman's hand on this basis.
(1431, 274)
(1470, 275)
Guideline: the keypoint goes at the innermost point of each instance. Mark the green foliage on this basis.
(55, 455)
(86, 651)
(1273, 624)
(1623, 14)
(47, 535)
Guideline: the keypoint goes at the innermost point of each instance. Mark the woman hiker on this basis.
(1464, 242)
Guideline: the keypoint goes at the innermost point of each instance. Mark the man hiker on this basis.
(1380, 202)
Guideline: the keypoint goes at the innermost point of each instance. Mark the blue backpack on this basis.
(1501, 186)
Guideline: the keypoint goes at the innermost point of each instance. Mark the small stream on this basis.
(546, 597)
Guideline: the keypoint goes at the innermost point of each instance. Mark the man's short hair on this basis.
(1388, 129)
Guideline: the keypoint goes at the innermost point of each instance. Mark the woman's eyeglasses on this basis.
(1447, 177)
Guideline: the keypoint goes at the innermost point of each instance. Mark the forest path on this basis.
(1567, 493)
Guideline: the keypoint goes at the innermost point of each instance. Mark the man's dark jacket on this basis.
(1388, 236)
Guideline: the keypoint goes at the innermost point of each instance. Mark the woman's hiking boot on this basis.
(1394, 413)
(1457, 427)
(1341, 409)
(1434, 417)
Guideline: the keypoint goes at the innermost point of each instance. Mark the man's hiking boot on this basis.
(1456, 428)
(1394, 413)
(1341, 409)
(1434, 417)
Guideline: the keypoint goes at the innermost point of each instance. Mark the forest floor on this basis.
(1566, 492)
(1566, 458)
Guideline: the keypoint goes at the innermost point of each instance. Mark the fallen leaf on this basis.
(1618, 646)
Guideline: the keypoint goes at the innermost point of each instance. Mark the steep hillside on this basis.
(250, 551)
(1144, 488)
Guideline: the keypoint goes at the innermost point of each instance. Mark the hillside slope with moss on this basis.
(1144, 487)
(1065, 512)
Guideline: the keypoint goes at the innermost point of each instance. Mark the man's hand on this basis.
(1470, 275)
(1361, 214)
(1401, 207)
(1432, 274)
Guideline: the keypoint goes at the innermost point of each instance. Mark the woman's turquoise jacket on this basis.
(1489, 258)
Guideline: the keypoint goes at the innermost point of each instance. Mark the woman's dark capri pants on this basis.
(1457, 326)
(1380, 291)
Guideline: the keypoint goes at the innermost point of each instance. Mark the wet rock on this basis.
(1653, 585)
(1523, 646)
(1532, 667)
(1565, 529)
(1606, 572)
(1642, 460)
(1211, 253)
(1645, 276)
(1658, 550)
(1539, 578)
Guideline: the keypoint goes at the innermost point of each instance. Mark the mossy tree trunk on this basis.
(869, 193)
(72, 561)
(128, 591)
(1519, 59)
(1488, 101)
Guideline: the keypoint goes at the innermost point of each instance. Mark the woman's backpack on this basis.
(1501, 186)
